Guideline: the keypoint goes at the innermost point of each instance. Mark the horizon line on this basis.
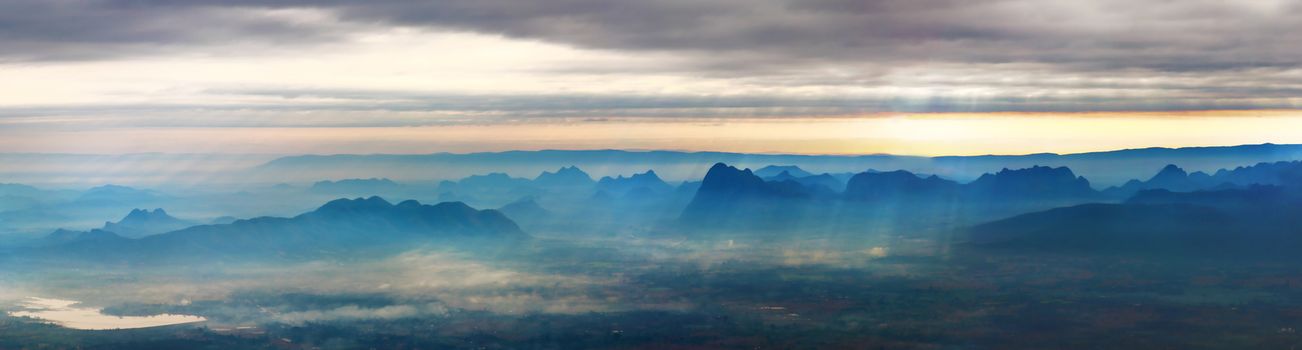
(638, 150)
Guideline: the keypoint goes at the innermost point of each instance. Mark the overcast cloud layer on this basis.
(493, 60)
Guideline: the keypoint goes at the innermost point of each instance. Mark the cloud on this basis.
(57, 30)
(760, 57)
(727, 34)
(354, 312)
(417, 283)
(399, 108)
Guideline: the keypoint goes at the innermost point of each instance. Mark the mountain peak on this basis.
(143, 214)
(649, 175)
(775, 170)
(1033, 173)
(142, 222)
(728, 194)
(723, 179)
(1170, 171)
(112, 187)
(782, 176)
(892, 185)
(1036, 181)
(64, 236)
(565, 176)
(644, 183)
(358, 203)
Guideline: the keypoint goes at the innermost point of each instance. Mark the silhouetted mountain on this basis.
(723, 181)
(1277, 173)
(782, 176)
(1034, 183)
(1021, 185)
(1252, 196)
(1171, 177)
(1244, 223)
(62, 236)
(898, 199)
(728, 194)
(1108, 168)
(825, 180)
(569, 176)
(140, 223)
(96, 236)
(644, 183)
(369, 186)
(898, 185)
(20, 190)
(496, 181)
(775, 170)
(344, 225)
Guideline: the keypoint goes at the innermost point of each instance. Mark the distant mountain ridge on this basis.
(342, 225)
(825, 180)
(1259, 221)
(140, 223)
(1106, 168)
(1036, 182)
(644, 183)
(1174, 178)
(898, 185)
(565, 176)
(492, 180)
(775, 170)
(356, 186)
(729, 196)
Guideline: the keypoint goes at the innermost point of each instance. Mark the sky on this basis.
(925, 77)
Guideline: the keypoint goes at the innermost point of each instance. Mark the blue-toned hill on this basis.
(344, 227)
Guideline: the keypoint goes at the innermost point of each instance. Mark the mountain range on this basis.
(570, 176)
(1102, 168)
(729, 196)
(1174, 178)
(830, 182)
(644, 184)
(1259, 221)
(1252, 210)
(343, 226)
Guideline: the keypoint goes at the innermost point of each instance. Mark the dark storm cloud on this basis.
(1191, 53)
(1110, 34)
(43, 30)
